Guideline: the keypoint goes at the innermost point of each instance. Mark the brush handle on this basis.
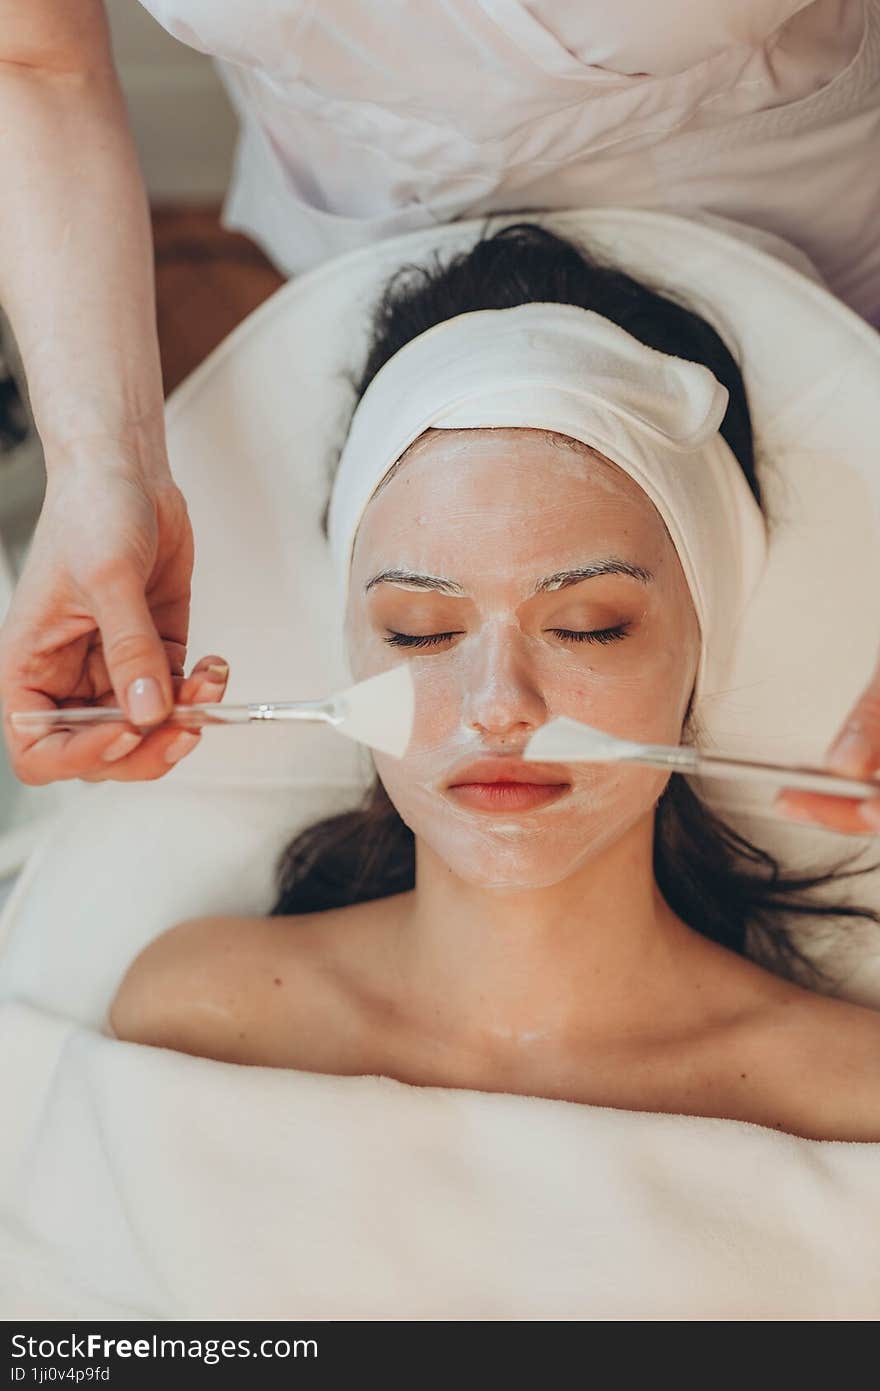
(181, 717)
(801, 776)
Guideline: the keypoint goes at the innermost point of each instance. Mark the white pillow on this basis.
(253, 434)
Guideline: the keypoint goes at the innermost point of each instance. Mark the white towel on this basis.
(197, 1189)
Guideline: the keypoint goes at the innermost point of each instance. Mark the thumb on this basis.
(856, 751)
(134, 655)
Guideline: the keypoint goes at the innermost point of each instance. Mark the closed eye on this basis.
(598, 635)
(567, 634)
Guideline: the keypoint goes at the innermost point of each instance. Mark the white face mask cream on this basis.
(490, 516)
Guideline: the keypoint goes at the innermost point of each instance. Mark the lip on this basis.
(507, 784)
(508, 769)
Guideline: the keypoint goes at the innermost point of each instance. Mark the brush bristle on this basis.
(380, 711)
(563, 740)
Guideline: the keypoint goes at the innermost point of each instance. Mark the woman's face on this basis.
(496, 514)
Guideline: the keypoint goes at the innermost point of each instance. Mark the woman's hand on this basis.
(855, 753)
(100, 616)
(104, 597)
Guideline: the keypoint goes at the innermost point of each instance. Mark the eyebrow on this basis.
(610, 565)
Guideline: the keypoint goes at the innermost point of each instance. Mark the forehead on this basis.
(481, 495)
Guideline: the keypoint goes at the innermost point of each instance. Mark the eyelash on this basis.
(601, 635)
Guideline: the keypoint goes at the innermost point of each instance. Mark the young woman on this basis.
(601, 938)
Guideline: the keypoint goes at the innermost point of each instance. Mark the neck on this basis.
(598, 958)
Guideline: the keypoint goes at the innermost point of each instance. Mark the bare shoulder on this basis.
(820, 1058)
(237, 989)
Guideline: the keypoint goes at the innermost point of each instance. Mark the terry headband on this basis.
(563, 368)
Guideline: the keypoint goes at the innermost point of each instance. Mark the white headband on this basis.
(563, 368)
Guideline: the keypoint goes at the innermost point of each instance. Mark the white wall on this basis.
(183, 123)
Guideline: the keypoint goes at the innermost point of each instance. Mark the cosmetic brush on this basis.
(564, 740)
(377, 712)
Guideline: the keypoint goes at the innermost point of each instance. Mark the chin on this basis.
(525, 862)
(530, 851)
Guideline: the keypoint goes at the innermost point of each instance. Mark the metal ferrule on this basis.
(294, 710)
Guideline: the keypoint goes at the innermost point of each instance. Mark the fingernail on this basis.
(121, 746)
(221, 668)
(869, 812)
(796, 813)
(179, 746)
(145, 701)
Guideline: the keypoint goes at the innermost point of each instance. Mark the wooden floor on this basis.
(207, 281)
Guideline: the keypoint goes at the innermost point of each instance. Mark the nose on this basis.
(501, 695)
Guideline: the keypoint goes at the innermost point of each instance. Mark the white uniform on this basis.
(361, 119)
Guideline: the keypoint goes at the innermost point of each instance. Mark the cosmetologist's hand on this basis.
(100, 616)
(855, 753)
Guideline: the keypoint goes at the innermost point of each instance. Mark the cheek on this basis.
(437, 681)
(637, 687)
(643, 699)
(439, 706)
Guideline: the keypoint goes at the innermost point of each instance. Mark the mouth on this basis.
(507, 785)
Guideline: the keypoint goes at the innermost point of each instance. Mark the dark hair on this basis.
(713, 878)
